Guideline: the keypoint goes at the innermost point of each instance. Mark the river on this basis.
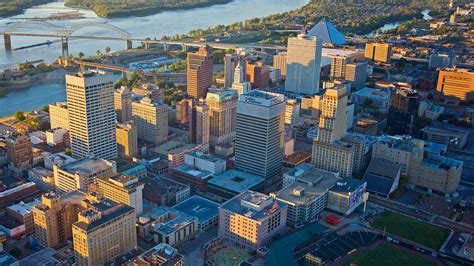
(394, 25)
(166, 23)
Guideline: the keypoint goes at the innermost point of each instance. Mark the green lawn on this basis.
(388, 256)
(422, 233)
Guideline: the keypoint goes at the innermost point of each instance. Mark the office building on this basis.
(258, 75)
(222, 105)
(90, 101)
(233, 182)
(240, 84)
(59, 115)
(199, 125)
(163, 191)
(356, 73)
(174, 150)
(199, 72)
(402, 112)
(151, 120)
(54, 216)
(127, 140)
(457, 83)
(372, 98)
(307, 193)
(347, 65)
(329, 153)
(292, 111)
(103, 231)
(259, 133)
(182, 111)
(422, 162)
(346, 195)
(42, 177)
(155, 93)
(303, 67)
(121, 188)
(206, 162)
(378, 52)
(279, 62)
(451, 137)
(19, 152)
(80, 174)
(230, 62)
(430, 110)
(123, 104)
(23, 213)
(192, 176)
(311, 106)
(251, 219)
(205, 210)
(441, 61)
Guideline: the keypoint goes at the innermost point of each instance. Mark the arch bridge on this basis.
(65, 33)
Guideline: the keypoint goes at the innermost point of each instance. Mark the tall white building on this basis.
(259, 133)
(240, 83)
(90, 100)
(151, 119)
(123, 104)
(303, 65)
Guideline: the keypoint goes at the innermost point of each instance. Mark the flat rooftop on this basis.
(176, 219)
(236, 181)
(253, 205)
(86, 166)
(110, 211)
(347, 185)
(311, 186)
(199, 207)
(373, 93)
(445, 130)
(173, 147)
(407, 143)
(207, 157)
(309, 173)
(6, 259)
(193, 171)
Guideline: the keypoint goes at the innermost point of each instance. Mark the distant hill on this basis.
(125, 8)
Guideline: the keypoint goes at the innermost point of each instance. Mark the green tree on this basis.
(97, 52)
(19, 115)
(107, 49)
(80, 55)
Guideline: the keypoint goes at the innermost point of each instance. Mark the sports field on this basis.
(229, 256)
(422, 233)
(390, 256)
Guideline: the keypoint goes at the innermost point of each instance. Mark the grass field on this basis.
(229, 257)
(422, 233)
(390, 256)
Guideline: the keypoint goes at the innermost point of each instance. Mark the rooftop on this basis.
(7, 259)
(373, 93)
(193, 171)
(236, 181)
(444, 130)
(441, 162)
(407, 143)
(109, 210)
(204, 156)
(253, 205)
(173, 147)
(327, 32)
(24, 208)
(262, 98)
(170, 219)
(86, 166)
(347, 185)
(309, 173)
(199, 207)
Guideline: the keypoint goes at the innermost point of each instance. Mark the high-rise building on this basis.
(54, 216)
(279, 62)
(122, 188)
(222, 105)
(123, 104)
(259, 133)
(402, 112)
(59, 115)
(19, 152)
(199, 72)
(199, 124)
(182, 111)
(457, 82)
(257, 75)
(80, 174)
(127, 140)
(90, 101)
(329, 153)
(345, 65)
(356, 73)
(292, 111)
(155, 93)
(379, 52)
(251, 219)
(240, 84)
(151, 120)
(103, 231)
(230, 62)
(303, 67)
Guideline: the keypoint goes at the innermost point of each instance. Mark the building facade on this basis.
(378, 52)
(199, 124)
(120, 188)
(403, 111)
(457, 83)
(151, 120)
(59, 115)
(222, 105)
(279, 62)
(127, 140)
(123, 104)
(199, 72)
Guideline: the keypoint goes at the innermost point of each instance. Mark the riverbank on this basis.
(56, 76)
(112, 10)
(17, 7)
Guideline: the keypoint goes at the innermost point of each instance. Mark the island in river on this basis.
(115, 8)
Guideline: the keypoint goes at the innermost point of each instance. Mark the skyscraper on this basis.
(379, 52)
(127, 140)
(240, 84)
(199, 124)
(222, 113)
(123, 104)
(199, 72)
(182, 111)
(303, 65)
(230, 62)
(279, 62)
(257, 75)
(259, 133)
(151, 120)
(19, 152)
(402, 112)
(329, 153)
(103, 231)
(90, 100)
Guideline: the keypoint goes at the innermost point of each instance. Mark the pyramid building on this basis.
(327, 32)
